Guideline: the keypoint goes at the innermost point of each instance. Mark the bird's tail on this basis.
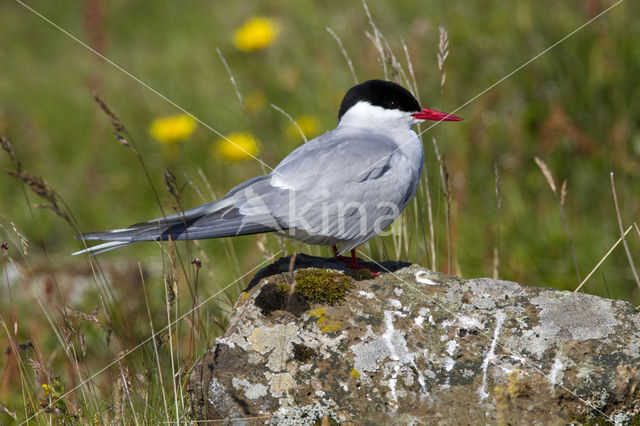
(218, 219)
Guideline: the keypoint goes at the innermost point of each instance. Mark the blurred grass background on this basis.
(577, 107)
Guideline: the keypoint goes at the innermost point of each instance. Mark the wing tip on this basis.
(101, 248)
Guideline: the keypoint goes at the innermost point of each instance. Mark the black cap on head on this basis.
(385, 94)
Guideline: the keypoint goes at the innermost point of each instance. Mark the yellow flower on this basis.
(47, 389)
(255, 102)
(256, 34)
(307, 123)
(236, 147)
(173, 128)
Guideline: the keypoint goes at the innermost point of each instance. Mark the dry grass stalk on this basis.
(561, 199)
(4, 247)
(496, 250)
(123, 383)
(171, 290)
(547, 173)
(24, 242)
(414, 87)
(387, 58)
(293, 122)
(261, 242)
(292, 279)
(120, 133)
(172, 187)
(446, 191)
(7, 411)
(155, 346)
(432, 235)
(41, 188)
(235, 85)
(6, 147)
(195, 313)
(92, 318)
(603, 259)
(118, 128)
(622, 233)
(443, 52)
(344, 53)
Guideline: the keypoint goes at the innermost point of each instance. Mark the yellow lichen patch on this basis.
(318, 313)
(330, 328)
(260, 340)
(354, 373)
(505, 396)
(324, 324)
(244, 295)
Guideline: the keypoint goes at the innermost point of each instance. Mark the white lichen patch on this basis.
(251, 390)
(366, 294)
(305, 367)
(452, 346)
(280, 384)
(466, 322)
(467, 373)
(372, 352)
(491, 354)
(215, 388)
(395, 303)
(278, 341)
(398, 291)
(449, 362)
(486, 291)
(369, 353)
(255, 358)
(305, 414)
(583, 316)
(555, 375)
(418, 321)
(422, 277)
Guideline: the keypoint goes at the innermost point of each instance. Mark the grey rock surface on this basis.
(413, 346)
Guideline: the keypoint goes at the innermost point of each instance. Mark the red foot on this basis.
(352, 262)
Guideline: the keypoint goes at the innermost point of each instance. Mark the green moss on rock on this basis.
(322, 285)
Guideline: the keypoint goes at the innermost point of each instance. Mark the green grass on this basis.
(576, 107)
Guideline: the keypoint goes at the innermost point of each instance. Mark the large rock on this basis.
(418, 347)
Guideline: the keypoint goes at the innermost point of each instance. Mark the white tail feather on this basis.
(101, 248)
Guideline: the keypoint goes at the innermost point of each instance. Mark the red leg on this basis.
(343, 259)
(352, 262)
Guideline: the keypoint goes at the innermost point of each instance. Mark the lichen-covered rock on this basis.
(413, 346)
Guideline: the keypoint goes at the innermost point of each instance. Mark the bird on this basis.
(339, 189)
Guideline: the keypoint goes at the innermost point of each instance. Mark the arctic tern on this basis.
(341, 188)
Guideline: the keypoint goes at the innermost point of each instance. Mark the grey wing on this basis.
(348, 187)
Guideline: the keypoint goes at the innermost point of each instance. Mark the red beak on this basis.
(430, 114)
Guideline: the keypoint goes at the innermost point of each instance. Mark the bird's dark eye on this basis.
(393, 104)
